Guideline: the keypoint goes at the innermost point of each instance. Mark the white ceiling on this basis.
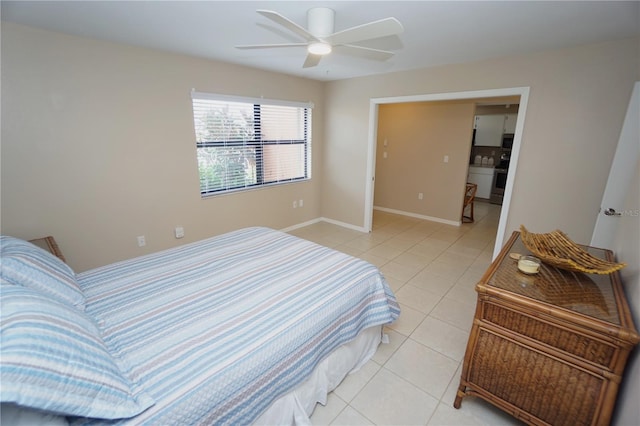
(436, 32)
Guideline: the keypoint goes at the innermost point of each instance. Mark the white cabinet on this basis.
(489, 129)
(510, 123)
(483, 177)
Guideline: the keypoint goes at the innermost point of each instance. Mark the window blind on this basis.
(243, 144)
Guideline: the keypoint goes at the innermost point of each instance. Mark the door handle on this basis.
(611, 212)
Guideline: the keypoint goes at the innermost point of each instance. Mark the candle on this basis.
(529, 264)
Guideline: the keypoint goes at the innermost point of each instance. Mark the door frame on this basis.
(374, 103)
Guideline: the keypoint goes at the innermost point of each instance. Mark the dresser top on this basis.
(588, 294)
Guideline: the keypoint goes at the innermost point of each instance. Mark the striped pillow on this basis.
(28, 265)
(53, 359)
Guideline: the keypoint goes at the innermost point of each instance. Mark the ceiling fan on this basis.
(320, 38)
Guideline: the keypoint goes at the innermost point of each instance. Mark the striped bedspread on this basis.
(217, 330)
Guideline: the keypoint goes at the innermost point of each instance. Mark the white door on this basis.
(619, 232)
(620, 176)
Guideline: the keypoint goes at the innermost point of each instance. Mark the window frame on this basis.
(257, 142)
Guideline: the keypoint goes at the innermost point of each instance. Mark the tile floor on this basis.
(432, 269)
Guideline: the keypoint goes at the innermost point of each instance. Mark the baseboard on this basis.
(419, 216)
(345, 225)
(361, 228)
(301, 225)
(324, 219)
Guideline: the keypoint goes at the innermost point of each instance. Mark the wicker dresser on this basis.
(548, 348)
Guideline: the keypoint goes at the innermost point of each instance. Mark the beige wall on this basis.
(577, 103)
(497, 109)
(98, 146)
(97, 140)
(419, 135)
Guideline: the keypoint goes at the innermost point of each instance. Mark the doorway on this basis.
(522, 92)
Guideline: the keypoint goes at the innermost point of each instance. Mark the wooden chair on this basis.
(469, 195)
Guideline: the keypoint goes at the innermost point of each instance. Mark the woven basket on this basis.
(556, 249)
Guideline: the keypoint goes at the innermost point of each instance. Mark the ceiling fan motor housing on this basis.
(320, 21)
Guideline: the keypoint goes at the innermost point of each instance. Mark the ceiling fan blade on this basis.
(269, 46)
(366, 52)
(290, 25)
(311, 61)
(376, 29)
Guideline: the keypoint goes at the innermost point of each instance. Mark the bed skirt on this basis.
(296, 407)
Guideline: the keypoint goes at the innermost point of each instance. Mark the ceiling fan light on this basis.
(319, 48)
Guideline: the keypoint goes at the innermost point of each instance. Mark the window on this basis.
(244, 143)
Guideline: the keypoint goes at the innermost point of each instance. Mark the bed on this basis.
(251, 327)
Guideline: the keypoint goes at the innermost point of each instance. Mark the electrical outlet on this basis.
(300, 202)
(446, 158)
(142, 241)
(420, 195)
(179, 232)
(295, 204)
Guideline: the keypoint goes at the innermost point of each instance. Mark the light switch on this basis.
(446, 158)
(384, 155)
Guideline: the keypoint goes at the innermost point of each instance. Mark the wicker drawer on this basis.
(531, 380)
(585, 347)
